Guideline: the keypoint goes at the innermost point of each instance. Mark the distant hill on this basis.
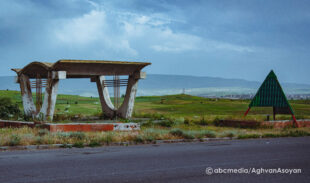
(156, 84)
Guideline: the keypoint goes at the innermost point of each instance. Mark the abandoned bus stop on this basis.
(40, 75)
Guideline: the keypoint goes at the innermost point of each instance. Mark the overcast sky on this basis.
(230, 39)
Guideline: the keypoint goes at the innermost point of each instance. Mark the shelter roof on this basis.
(82, 68)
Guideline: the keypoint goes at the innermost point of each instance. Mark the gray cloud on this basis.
(232, 39)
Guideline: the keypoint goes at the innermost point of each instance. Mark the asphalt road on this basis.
(182, 162)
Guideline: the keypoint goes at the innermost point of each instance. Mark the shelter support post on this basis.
(50, 96)
(126, 109)
(106, 104)
(25, 88)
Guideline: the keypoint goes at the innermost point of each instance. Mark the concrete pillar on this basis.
(50, 97)
(126, 109)
(108, 108)
(25, 88)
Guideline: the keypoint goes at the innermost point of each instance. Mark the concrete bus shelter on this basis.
(48, 75)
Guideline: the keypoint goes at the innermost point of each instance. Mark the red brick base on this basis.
(80, 127)
(73, 127)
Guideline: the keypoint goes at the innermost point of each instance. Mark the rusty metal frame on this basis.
(38, 84)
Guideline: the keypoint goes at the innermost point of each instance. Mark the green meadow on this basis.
(161, 118)
(171, 106)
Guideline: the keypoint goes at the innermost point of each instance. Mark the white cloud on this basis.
(111, 31)
(82, 30)
(92, 29)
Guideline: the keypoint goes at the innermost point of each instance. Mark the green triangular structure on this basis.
(270, 94)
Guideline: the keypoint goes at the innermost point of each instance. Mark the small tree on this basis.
(8, 109)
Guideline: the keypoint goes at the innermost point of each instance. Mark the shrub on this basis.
(147, 124)
(149, 138)
(176, 132)
(202, 121)
(180, 133)
(248, 136)
(209, 134)
(78, 144)
(108, 139)
(8, 109)
(270, 135)
(39, 140)
(63, 135)
(77, 135)
(43, 132)
(65, 145)
(229, 134)
(217, 122)
(186, 121)
(298, 133)
(166, 123)
(94, 143)
(14, 140)
(138, 139)
(188, 135)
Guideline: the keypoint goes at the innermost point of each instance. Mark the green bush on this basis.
(270, 135)
(202, 122)
(8, 109)
(182, 134)
(39, 140)
(188, 135)
(166, 123)
(138, 139)
(177, 132)
(248, 136)
(43, 132)
(149, 138)
(65, 145)
(108, 139)
(209, 134)
(14, 140)
(229, 134)
(94, 143)
(186, 121)
(298, 133)
(217, 122)
(149, 123)
(78, 144)
(77, 135)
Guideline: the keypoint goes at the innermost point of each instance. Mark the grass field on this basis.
(172, 106)
(179, 116)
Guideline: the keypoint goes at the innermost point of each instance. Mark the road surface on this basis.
(181, 162)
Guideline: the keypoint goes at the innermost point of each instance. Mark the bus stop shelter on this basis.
(38, 75)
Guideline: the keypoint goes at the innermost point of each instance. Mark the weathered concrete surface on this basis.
(25, 88)
(286, 123)
(183, 162)
(50, 97)
(106, 104)
(126, 108)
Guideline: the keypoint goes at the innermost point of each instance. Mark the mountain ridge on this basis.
(160, 84)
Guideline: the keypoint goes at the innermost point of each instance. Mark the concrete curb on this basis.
(56, 146)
